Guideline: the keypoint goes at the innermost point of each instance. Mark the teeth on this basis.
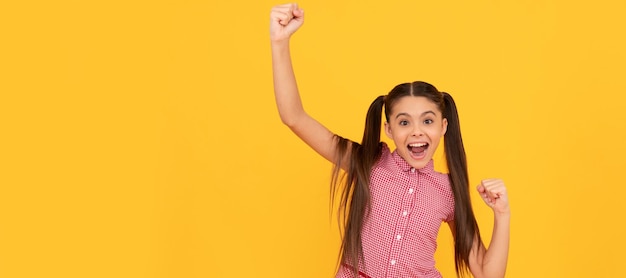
(418, 145)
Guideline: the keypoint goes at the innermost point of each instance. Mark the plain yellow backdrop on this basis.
(141, 138)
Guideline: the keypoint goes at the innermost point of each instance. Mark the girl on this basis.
(393, 203)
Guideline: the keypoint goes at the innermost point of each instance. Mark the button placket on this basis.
(407, 204)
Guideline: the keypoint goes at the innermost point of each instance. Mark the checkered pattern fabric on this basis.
(400, 233)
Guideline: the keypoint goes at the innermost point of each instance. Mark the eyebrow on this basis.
(422, 115)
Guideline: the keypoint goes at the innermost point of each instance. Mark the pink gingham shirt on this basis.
(400, 233)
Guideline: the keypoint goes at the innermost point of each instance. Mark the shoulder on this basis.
(443, 178)
(442, 182)
(443, 187)
(386, 163)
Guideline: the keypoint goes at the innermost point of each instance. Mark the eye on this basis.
(428, 121)
(404, 122)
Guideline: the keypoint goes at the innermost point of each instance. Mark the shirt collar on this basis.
(405, 167)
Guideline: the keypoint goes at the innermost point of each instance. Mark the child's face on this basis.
(416, 126)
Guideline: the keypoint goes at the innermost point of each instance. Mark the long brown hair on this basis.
(353, 182)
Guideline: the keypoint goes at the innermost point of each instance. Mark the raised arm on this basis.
(285, 20)
(492, 262)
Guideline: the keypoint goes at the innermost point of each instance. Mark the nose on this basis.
(417, 131)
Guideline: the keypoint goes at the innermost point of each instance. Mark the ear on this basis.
(388, 130)
(445, 126)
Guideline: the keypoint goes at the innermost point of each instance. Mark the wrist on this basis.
(280, 49)
(280, 42)
(502, 215)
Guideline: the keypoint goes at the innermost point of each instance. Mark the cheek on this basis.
(400, 138)
(398, 132)
(435, 145)
(436, 135)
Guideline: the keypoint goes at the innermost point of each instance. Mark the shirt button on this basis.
(412, 170)
(410, 190)
(393, 262)
(398, 237)
(404, 213)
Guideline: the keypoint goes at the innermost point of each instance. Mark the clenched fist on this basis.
(494, 194)
(284, 21)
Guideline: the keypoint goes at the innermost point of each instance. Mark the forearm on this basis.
(496, 256)
(285, 86)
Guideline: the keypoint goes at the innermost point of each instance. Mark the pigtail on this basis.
(371, 135)
(466, 229)
(353, 184)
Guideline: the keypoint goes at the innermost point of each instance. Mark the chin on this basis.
(419, 165)
(422, 162)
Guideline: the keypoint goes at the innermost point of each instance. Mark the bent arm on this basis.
(492, 262)
(290, 106)
(285, 20)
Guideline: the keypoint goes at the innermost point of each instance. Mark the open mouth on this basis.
(418, 150)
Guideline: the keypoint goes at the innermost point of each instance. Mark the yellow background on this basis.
(141, 138)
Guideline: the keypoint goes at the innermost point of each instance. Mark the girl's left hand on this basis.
(494, 194)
